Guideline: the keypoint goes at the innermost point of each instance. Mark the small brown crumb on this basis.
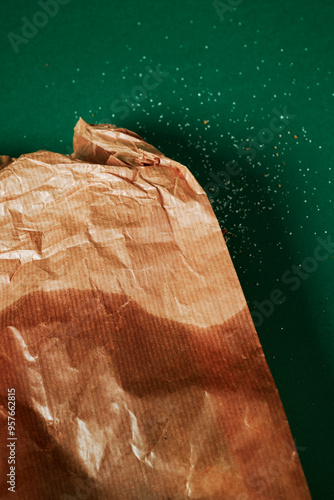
(205, 122)
(296, 136)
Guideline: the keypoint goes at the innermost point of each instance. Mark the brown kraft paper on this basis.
(130, 366)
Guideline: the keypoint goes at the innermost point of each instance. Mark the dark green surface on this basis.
(232, 72)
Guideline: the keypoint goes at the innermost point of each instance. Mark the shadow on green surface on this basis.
(291, 334)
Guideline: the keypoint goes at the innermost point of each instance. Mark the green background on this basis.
(230, 69)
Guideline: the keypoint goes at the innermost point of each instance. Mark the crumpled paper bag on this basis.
(126, 337)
